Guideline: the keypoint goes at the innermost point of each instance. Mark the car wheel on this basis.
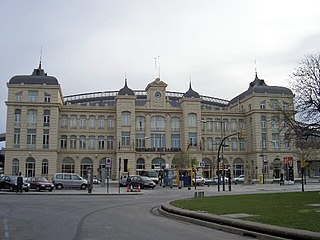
(11, 189)
(59, 186)
(38, 188)
(83, 186)
(50, 190)
(26, 190)
(236, 182)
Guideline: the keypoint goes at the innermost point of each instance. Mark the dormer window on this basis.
(47, 98)
(33, 96)
(19, 96)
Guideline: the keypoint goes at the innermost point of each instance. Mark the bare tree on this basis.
(183, 160)
(305, 83)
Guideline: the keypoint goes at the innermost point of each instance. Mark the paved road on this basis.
(75, 214)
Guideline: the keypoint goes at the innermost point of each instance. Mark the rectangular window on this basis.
(31, 138)
(82, 121)
(110, 122)
(275, 141)
(192, 120)
(16, 138)
(82, 142)
(92, 122)
(101, 122)
(19, 96)
(158, 140)
(101, 142)
(92, 144)
(63, 142)
(45, 168)
(45, 138)
(242, 145)
(175, 141)
(47, 98)
(64, 121)
(140, 141)
(46, 118)
(125, 139)
(110, 142)
(73, 142)
(192, 139)
(73, 121)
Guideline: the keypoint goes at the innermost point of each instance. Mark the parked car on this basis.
(152, 175)
(142, 181)
(95, 180)
(10, 183)
(69, 180)
(239, 179)
(199, 180)
(40, 183)
(214, 180)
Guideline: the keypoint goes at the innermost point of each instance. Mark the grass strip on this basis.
(299, 210)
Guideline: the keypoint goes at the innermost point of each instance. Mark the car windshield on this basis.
(145, 178)
(152, 174)
(13, 178)
(41, 179)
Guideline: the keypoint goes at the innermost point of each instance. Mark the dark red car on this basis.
(40, 183)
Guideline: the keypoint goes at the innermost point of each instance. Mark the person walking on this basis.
(19, 183)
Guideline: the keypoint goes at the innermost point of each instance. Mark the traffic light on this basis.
(241, 134)
(291, 175)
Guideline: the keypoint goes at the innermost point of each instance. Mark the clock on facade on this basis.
(157, 94)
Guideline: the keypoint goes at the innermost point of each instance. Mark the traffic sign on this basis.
(202, 164)
(108, 162)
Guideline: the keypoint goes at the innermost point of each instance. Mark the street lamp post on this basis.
(219, 160)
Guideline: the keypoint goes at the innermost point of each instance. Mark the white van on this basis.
(69, 180)
(152, 175)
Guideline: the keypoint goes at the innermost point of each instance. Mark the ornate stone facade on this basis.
(142, 130)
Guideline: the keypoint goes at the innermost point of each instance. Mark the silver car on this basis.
(69, 180)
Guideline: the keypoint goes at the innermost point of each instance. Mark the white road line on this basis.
(6, 229)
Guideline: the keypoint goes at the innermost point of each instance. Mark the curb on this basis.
(238, 226)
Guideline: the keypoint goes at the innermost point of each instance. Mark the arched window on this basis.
(158, 123)
(140, 166)
(140, 123)
(17, 117)
(157, 163)
(238, 167)
(125, 118)
(15, 167)
(67, 165)
(30, 167)
(32, 118)
(175, 124)
(192, 120)
(110, 122)
(92, 122)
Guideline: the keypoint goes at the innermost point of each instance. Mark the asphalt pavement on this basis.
(214, 221)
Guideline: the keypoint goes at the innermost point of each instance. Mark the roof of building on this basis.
(259, 86)
(191, 93)
(37, 77)
(126, 90)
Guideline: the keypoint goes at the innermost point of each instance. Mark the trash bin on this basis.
(261, 179)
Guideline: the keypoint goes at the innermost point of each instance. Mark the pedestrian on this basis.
(128, 183)
(19, 183)
(281, 179)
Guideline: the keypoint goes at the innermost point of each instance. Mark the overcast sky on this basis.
(92, 45)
